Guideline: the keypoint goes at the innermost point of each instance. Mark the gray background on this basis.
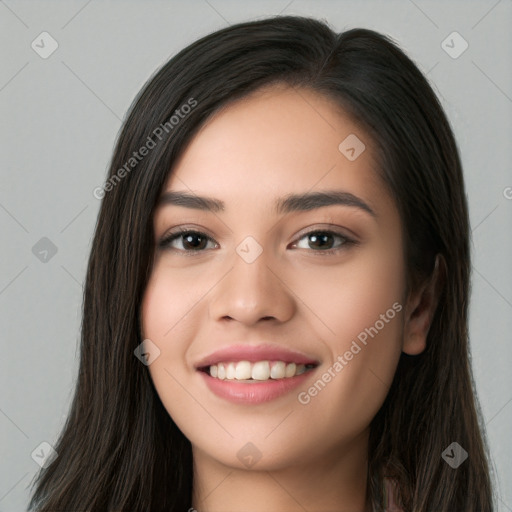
(60, 117)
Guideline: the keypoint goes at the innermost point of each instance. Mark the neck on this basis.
(333, 482)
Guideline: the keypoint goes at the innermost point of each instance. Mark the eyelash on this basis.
(165, 242)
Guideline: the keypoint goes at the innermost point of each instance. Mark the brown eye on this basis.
(323, 241)
(186, 241)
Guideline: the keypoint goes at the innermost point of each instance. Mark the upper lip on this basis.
(254, 353)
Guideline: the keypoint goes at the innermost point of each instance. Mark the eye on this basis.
(324, 241)
(190, 241)
(187, 240)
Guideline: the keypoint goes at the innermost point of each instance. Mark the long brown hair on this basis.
(119, 449)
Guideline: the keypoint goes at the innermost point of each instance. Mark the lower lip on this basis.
(254, 392)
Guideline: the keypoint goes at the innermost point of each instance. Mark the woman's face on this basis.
(299, 260)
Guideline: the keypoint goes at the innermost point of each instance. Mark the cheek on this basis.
(159, 306)
(364, 352)
(373, 320)
(167, 306)
(170, 297)
(358, 318)
(345, 300)
(167, 310)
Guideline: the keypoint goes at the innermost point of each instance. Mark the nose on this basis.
(252, 292)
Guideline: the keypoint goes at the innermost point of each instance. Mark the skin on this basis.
(275, 142)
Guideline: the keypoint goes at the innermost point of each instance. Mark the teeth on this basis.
(230, 371)
(259, 371)
(278, 370)
(290, 370)
(301, 368)
(243, 370)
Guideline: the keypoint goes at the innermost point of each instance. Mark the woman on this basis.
(275, 309)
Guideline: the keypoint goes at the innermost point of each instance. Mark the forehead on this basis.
(278, 140)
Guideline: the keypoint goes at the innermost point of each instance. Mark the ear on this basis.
(420, 308)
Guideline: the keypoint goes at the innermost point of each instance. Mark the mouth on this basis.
(246, 374)
(259, 371)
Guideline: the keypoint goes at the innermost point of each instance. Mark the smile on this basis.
(256, 371)
(253, 374)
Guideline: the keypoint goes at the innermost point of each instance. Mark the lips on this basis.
(274, 371)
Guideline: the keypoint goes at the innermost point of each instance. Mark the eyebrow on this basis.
(287, 204)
